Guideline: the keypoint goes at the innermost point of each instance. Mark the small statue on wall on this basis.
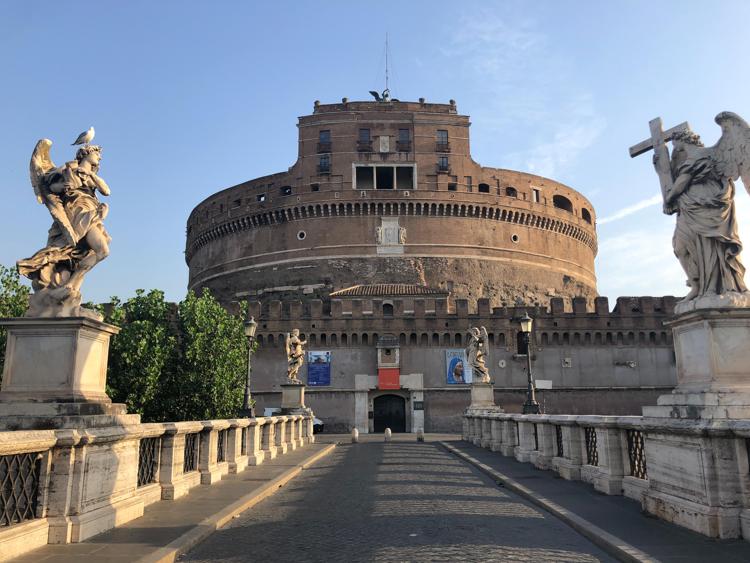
(697, 185)
(476, 350)
(295, 354)
(77, 240)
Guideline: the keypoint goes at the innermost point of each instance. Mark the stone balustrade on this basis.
(63, 486)
(626, 455)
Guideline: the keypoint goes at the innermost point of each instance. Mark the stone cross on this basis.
(657, 142)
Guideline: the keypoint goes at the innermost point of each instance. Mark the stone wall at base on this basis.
(444, 408)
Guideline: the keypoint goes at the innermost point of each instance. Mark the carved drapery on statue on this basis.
(76, 241)
(476, 351)
(698, 187)
(295, 354)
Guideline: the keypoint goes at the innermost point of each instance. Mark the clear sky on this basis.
(190, 97)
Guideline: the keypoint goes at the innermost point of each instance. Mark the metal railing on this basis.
(636, 454)
(148, 460)
(19, 487)
(592, 453)
(221, 445)
(191, 452)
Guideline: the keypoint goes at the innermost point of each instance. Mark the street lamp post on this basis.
(250, 327)
(530, 406)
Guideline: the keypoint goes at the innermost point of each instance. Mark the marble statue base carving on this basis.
(55, 375)
(713, 366)
(692, 464)
(482, 395)
(293, 399)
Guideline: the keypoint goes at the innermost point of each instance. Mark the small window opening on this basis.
(451, 187)
(261, 197)
(384, 177)
(484, 188)
(562, 202)
(511, 191)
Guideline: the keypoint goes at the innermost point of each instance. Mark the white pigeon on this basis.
(85, 138)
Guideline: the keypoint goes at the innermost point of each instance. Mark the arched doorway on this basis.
(389, 411)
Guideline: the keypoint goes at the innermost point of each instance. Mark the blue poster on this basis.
(318, 368)
(457, 369)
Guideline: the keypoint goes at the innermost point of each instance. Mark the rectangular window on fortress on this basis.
(364, 135)
(365, 178)
(404, 177)
(384, 177)
(451, 187)
(261, 197)
(324, 136)
(403, 136)
(535, 195)
(442, 137)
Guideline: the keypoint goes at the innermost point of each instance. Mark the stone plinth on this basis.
(293, 399)
(56, 360)
(55, 375)
(482, 395)
(713, 366)
(693, 465)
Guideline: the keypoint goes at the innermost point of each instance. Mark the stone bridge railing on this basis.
(693, 473)
(63, 486)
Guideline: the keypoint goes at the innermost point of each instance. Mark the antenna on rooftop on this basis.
(386, 95)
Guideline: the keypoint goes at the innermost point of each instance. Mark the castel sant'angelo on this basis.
(385, 241)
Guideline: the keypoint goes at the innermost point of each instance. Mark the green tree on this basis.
(143, 354)
(14, 298)
(210, 379)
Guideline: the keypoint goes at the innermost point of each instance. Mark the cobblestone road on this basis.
(400, 501)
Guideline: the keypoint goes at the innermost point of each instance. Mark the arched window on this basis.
(510, 191)
(387, 310)
(586, 215)
(522, 346)
(562, 202)
(402, 339)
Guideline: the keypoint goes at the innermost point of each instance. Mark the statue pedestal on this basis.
(482, 395)
(713, 366)
(293, 399)
(693, 468)
(55, 375)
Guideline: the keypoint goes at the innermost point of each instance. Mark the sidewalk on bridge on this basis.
(617, 515)
(170, 528)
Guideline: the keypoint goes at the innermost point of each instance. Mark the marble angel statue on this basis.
(76, 241)
(701, 195)
(476, 350)
(295, 354)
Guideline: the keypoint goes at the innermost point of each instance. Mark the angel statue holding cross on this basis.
(698, 187)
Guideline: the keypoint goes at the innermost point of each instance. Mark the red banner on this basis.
(389, 378)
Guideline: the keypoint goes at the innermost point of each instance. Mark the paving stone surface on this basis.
(615, 514)
(397, 501)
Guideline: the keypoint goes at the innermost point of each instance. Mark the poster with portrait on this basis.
(318, 368)
(457, 369)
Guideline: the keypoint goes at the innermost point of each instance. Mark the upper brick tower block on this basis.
(387, 193)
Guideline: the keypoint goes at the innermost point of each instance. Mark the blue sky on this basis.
(191, 97)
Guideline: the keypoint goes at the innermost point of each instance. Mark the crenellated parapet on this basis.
(418, 321)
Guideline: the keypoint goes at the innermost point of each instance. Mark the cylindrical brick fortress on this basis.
(387, 192)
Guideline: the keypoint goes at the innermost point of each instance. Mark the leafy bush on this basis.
(14, 298)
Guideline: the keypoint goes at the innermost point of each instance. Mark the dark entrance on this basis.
(389, 411)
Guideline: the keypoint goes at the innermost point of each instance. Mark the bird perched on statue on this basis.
(85, 138)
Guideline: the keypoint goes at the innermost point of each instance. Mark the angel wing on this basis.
(39, 166)
(732, 152)
(485, 336)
